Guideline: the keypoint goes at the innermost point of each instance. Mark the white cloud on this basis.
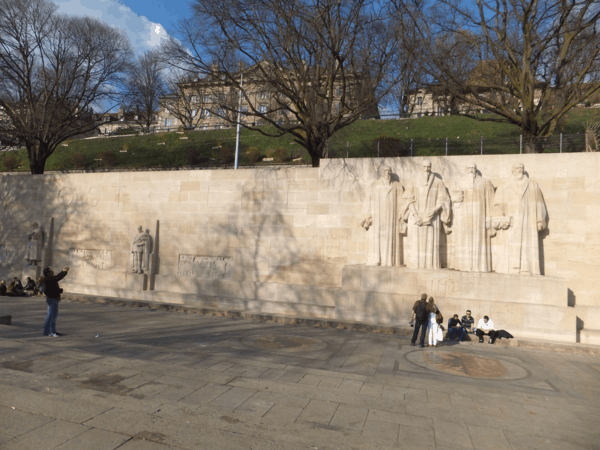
(143, 34)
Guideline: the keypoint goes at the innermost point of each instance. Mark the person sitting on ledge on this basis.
(468, 322)
(3, 288)
(455, 328)
(486, 327)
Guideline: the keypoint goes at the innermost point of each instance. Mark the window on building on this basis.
(194, 99)
(419, 101)
(262, 109)
(440, 111)
(206, 113)
(207, 98)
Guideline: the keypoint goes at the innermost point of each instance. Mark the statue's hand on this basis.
(541, 226)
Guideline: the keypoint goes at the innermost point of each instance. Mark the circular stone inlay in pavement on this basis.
(288, 343)
(467, 364)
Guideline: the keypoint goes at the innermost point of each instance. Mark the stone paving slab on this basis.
(158, 379)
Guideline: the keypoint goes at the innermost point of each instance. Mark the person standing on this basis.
(420, 316)
(486, 327)
(52, 291)
(433, 325)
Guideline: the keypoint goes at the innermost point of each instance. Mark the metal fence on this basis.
(393, 147)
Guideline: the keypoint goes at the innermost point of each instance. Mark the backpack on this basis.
(421, 311)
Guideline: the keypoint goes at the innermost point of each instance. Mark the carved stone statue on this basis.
(140, 251)
(472, 203)
(382, 220)
(427, 207)
(522, 214)
(35, 237)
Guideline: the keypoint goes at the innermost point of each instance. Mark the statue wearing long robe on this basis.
(427, 206)
(472, 203)
(140, 252)
(382, 220)
(521, 204)
(33, 253)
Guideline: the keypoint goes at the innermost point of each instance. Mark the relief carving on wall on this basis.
(205, 266)
(467, 215)
(97, 259)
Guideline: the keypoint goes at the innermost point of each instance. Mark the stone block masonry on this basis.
(289, 240)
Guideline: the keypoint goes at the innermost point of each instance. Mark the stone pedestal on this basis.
(525, 306)
(136, 281)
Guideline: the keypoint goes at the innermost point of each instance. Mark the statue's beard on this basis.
(518, 176)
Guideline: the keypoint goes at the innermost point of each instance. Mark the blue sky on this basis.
(145, 22)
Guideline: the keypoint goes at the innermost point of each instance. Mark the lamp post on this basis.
(239, 117)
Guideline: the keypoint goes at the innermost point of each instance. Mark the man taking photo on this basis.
(52, 291)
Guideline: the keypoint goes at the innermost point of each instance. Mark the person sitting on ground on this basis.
(3, 288)
(18, 287)
(486, 327)
(11, 289)
(468, 322)
(455, 328)
(30, 286)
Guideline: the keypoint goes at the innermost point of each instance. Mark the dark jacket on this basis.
(52, 290)
(3, 289)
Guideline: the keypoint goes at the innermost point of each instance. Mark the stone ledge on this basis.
(529, 344)
(5, 320)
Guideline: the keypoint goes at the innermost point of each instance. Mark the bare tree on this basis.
(145, 85)
(54, 70)
(529, 61)
(317, 65)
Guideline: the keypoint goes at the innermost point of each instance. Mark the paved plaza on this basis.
(136, 378)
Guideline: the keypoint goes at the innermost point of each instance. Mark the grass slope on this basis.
(216, 147)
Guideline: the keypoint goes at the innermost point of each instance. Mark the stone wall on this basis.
(275, 239)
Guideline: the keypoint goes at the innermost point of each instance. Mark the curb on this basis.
(559, 347)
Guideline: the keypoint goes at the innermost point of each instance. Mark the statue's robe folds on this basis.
(141, 244)
(423, 242)
(472, 204)
(383, 208)
(34, 246)
(521, 203)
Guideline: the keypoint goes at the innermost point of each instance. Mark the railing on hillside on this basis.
(477, 145)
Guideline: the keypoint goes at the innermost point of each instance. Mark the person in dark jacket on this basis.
(30, 286)
(3, 288)
(52, 291)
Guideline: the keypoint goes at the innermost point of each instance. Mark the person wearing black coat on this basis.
(52, 291)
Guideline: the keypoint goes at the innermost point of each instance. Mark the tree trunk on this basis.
(37, 160)
(316, 160)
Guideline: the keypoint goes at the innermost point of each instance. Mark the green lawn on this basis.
(216, 147)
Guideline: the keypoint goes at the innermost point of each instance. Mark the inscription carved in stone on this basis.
(97, 259)
(205, 266)
(7, 253)
(449, 285)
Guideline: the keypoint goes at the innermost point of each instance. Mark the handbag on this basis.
(440, 334)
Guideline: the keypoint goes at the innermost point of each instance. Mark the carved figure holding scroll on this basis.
(427, 207)
(140, 251)
(382, 220)
(521, 211)
(472, 203)
(35, 237)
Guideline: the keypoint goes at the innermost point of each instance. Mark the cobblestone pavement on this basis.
(135, 378)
